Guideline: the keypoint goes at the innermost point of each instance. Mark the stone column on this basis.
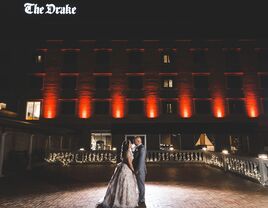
(49, 143)
(2, 152)
(61, 141)
(30, 150)
(184, 82)
(250, 82)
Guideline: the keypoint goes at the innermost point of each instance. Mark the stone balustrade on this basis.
(254, 168)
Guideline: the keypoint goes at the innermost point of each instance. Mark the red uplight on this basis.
(151, 106)
(185, 107)
(251, 104)
(84, 106)
(252, 107)
(50, 105)
(218, 107)
(118, 106)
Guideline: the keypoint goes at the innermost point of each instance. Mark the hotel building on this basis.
(168, 92)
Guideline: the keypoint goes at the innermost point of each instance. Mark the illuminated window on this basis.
(39, 59)
(166, 59)
(33, 110)
(101, 140)
(169, 107)
(3, 106)
(168, 83)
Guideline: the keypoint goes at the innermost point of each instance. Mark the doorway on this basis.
(132, 136)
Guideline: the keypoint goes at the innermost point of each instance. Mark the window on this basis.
(101, 141)
(35, 82)
(168, 83)
(169, 107)
(263, 60)
(236, 107)
(265, 106)
(169, 141)
(3, 106)
(232, 60)
(199, 59)
(135, 82)
(102, 82)
(102, 107)
(201, 82)
(264, 81)
(135, 58)
(234, 82)
(39, 59)
(202, 106)
(135, 107)
(103, 58)
(166, 59)
(68, 82)
(70, 61)
(68, 107)
(33, 110)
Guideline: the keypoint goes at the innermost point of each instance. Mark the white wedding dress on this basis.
(122, 191)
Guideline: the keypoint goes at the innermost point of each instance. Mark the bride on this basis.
(122, 191)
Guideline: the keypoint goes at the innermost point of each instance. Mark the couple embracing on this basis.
(126, 188)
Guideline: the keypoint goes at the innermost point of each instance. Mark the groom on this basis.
(140, 168)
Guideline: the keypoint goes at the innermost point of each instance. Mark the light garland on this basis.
(67, 158)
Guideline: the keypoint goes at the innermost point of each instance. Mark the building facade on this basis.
(168, 92)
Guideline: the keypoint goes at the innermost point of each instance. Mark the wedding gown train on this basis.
(122, 190)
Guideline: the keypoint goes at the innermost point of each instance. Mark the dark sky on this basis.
(113, 19)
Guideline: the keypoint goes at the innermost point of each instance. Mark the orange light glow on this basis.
(50, 105)
(252, 106)
(218, 107)
(185, 105)
(118, 106)
(151, 106)
(84, 106)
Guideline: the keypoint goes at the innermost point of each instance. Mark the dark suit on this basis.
(140, 168)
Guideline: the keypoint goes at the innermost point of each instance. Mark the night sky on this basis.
(112, 19)
(127, 19)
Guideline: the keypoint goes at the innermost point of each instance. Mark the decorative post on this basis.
(49, 143)
(61, 140)
(30, 150)
(263, 165)
(2, 152)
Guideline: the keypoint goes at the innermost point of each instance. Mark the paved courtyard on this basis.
(169, 186)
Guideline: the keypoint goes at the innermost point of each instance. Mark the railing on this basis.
(174, 156)
(80, 157)
(254, 168)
